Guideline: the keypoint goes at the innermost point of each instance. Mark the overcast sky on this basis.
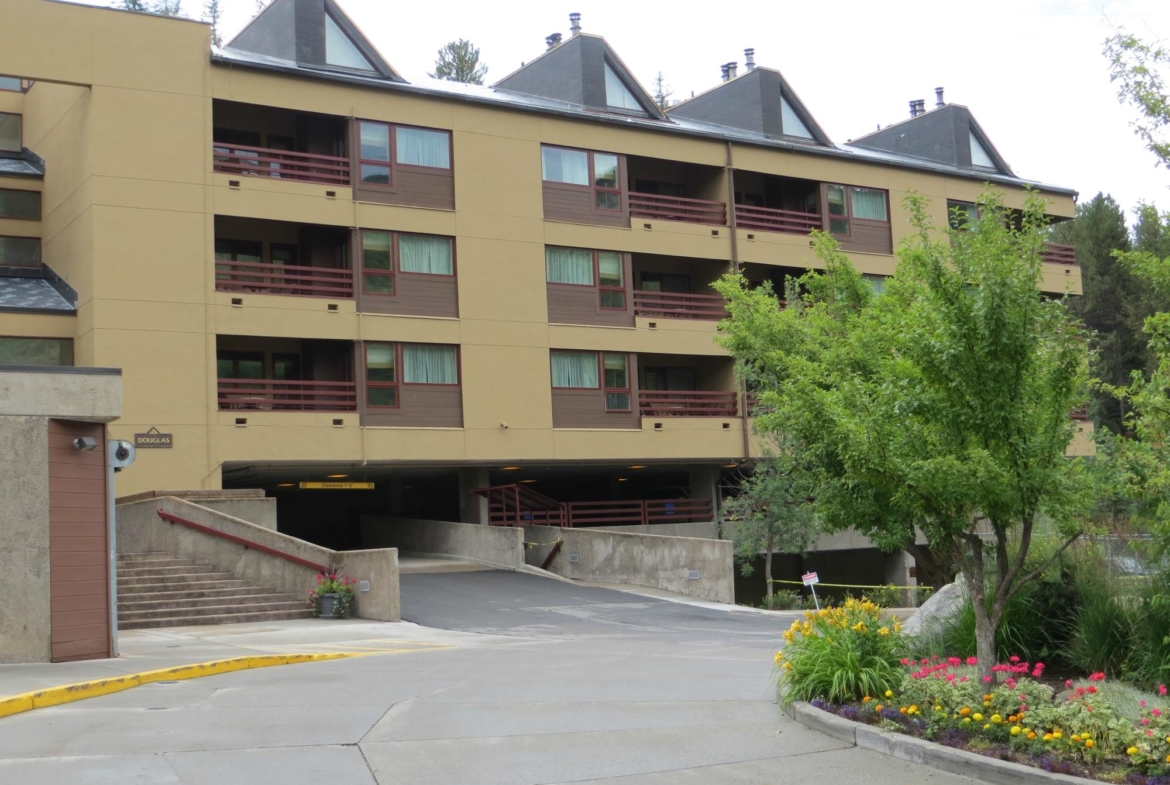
(1031, 71)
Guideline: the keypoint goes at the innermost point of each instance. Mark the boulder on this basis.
(944, 605)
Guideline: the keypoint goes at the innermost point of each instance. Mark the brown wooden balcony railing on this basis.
(687, 403)
(278, 396)
(1059, 254)
(282, 279)
(280, 164)
(680, 306)
(676, 208)
(769, 219)
(1079, 413)
(518, 505)
(639, 512)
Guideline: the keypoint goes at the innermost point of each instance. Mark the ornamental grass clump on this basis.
(841, 654)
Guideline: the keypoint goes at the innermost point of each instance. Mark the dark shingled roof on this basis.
(752, 102)
(574, 72)
(269, 34)
(942, 135)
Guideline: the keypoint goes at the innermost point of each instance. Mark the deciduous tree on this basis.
(942, 403)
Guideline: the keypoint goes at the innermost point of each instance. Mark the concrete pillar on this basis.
(703, 479)
(898, 572)
(472, 508)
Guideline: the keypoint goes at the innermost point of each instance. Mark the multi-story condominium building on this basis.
(310, 269)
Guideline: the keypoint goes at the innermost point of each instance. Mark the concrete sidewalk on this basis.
(152, 649)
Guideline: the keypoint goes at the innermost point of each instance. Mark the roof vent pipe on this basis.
(939, 103)
(750, 59)
(574, 23)
(731, 68)
(553, 41)
(723, 71)
(921, 106)
(913, 108)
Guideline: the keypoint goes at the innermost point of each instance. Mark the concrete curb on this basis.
(927, 753)
(54, 696)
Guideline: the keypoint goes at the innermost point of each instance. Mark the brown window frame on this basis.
(595, 256)
(592, 186)
(39, 198)
(20, 139)
(849, 217)
(392, 163)
(606, 390)
(400, 371)
(396, 261)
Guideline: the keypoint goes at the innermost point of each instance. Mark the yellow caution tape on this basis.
(856, 586)
(538, 544)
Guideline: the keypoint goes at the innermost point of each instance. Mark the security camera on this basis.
(85, 443)
(122, 454)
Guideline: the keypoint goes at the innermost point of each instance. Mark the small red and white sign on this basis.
(810, 578)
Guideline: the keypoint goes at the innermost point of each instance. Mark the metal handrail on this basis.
(199, 527)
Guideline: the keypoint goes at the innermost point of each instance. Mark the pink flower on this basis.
(1067, 682)
(954, 661)
(986, 679)
(1092, 688)
(905, 661)
(1013, 659)
(1142, 704)
(1149, 733)
(1156, 712)
(972, 660)
(1145, 720)
(1161, 689)
(925, 661)
(963, 679)
(950, 677)
(1098, 676)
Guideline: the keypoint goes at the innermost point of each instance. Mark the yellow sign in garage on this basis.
(338, 486)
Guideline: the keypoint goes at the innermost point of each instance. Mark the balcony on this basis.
(674, 305)
(263, 141)
(676, 208)
(768, 219)
(1059, 254)
(284, 375)
(277, 257)
(688, 403)
(769, 203)
(288, 396)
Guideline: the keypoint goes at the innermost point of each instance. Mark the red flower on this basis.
(1013, 659)
(1092, 688)
(1161, 689)
(972, 660)
(1098, 676)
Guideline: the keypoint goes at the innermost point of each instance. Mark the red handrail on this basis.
(677, 208)
(1059, 254)
(166, 516)
(280, 164)
(281, 395)
(297, 280)
(687, 403)
(680, 306)
(770, 219)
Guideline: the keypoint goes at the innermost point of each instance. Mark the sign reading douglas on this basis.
(152, 439)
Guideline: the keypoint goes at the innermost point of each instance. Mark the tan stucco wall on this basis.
(130, 200)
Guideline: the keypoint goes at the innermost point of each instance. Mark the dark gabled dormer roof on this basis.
(761, 102)
(584, 72)
(312, 34)
(947, 135)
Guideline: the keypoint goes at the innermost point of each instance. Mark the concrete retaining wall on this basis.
(649, 560)
(246, 504)
(140, 529)
(499, 546)
(706, 530)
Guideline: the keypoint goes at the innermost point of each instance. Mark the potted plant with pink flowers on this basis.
(333, 596)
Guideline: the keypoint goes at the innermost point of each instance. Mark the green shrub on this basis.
(886, 596)
(840, 654)
(1102, 638)
(783, 600)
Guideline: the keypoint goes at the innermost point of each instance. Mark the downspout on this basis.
(730, 169)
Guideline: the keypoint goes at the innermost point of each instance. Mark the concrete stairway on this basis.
(156, 590)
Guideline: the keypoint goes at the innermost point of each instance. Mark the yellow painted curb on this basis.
(54, 696)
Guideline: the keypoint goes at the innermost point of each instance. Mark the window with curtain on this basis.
(569, 265)
(617, 382)
(419, 253)
(617, 95)
(559, 165)
(607, 191)
(876, 282)
(420, 147)
(36, 351)
(869, 204)
(377, 263)
(962, 216)
(838, 210)
(10, 133)
(341, 51)
(381, 374)
(611, 280)
(429, 364)
(374, 149)
(576, 370)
